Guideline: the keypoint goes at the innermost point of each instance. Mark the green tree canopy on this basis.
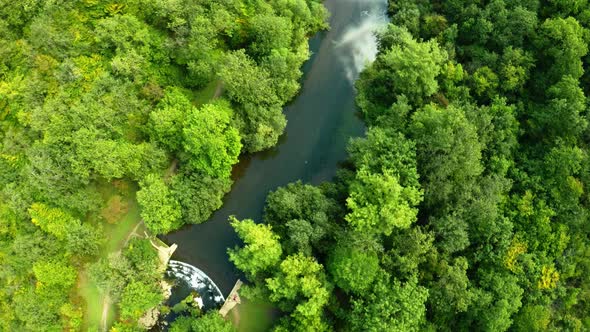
(379, 204)
(262, 250)
(408, 68)
(212, 143)
(159, 208)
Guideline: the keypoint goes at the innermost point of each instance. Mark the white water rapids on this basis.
(197, 280)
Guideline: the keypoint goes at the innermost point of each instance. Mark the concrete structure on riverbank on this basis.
(164, 251)
(232, 299)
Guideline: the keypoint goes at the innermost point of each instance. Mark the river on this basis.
(321, 120)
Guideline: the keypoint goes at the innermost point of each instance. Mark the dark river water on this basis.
(321, 120)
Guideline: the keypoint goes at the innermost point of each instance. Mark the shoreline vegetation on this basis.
(116, 113)
(465, 207)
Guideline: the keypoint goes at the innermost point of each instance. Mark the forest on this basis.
(116, 112)
(464, 207)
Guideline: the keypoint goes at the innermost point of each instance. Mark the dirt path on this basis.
(106, 301)
(235, 317)
(218, 90)
(171, 170)
(133, 232)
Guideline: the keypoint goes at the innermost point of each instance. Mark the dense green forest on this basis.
(465, 207)
(116, 112)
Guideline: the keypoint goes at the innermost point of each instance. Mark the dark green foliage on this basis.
(97, 93)
(480, 107)
(300, 215)
(448, 154)
(198, 195)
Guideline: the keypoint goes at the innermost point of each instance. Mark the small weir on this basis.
(188, 278)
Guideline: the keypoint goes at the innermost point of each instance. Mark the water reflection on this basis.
(360, 39)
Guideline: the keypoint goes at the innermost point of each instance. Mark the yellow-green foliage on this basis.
(549, 278)
(52, 220)
(517, 247)
(114, 8)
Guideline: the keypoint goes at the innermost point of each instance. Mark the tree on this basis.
(562, 43)
(410, 249)
(534, 318)
(52, 220)
(448, 153)
(283, 67)
(408, 68)
(497, 130)
(198, 195)
(56, 275)
(383, 150)
(300, 214)
(485, 82)
(379, 204)
(137, 298)
(143, 258)
(498, 297)
(390, 306)
(262, 249)
(246, 83)
(515, 68)
(452, 232)
(269, 32)
(212, 143)
(260, 126)
(159, 209)
(450, 294)
(353, 267)
(300, 287)
(562, 117)
(166, 121)
(84, 241)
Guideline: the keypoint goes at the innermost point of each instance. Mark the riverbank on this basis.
(321, 120)
(122, 220)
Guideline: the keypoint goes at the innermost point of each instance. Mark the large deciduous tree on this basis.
(159, 208)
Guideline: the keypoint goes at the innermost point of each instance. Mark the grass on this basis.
(206, 94)
(253, 316)
(94, 304)
(122, 215)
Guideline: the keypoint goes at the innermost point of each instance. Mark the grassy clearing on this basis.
(206, 94)
(120, 217)
(253, 316)
(94, 304)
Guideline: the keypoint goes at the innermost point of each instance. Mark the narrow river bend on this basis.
(320, 122)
